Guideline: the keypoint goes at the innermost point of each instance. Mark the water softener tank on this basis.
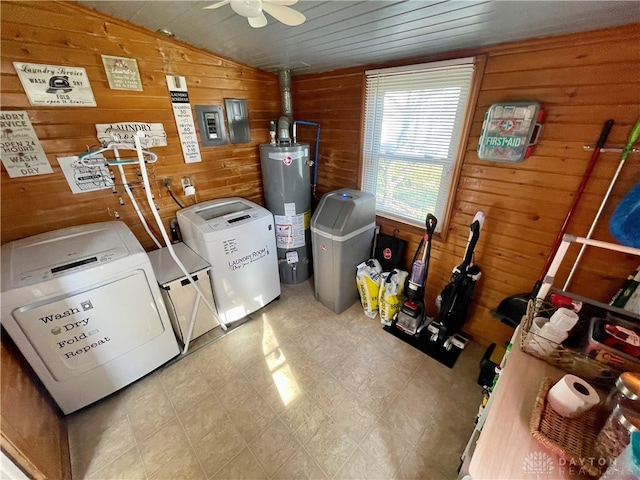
(287, 191)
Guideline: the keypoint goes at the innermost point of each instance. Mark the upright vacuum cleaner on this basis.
(454, 300)
(410, 319)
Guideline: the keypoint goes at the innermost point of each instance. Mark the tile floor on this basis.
(297, 392)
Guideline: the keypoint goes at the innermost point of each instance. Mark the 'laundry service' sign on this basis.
(21, 152)
(55, 85)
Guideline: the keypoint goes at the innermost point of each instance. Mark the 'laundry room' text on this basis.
(247, 259)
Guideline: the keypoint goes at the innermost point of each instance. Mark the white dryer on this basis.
(83, 306)
(237, 237)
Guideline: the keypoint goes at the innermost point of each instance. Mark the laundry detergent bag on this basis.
(368, 277)
(390, 297)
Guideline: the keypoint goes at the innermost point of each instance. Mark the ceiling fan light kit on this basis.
(247, 8)
(253, 11)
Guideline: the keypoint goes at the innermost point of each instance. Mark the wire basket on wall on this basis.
(571, 359)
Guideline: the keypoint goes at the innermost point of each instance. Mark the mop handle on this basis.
(633, 138)
(583, 183)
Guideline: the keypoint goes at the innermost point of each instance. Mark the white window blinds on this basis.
(413, 124)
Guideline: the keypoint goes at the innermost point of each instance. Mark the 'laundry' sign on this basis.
(123, 132)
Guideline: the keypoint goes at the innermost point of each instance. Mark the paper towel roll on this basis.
(571, 396)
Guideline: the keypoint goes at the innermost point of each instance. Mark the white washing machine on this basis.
(83, 306)
(237, 237)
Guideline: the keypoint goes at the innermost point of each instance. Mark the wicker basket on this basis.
(567, 359)
(573, 439)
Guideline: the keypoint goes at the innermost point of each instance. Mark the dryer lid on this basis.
(61, 252)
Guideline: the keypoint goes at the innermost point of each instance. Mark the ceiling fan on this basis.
(254, 11)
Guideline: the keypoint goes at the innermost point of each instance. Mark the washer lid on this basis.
(223, 210)
(220, 214)
(61, 252)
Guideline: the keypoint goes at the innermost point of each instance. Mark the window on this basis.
(414, 117)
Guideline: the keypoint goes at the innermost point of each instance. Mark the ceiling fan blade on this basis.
(284, 14)
(281, 2)
(213, 6)
(258, 22)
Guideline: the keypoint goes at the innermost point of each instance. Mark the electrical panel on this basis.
(238, 119)
(211, 124)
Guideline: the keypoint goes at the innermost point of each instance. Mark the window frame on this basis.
(479, 62)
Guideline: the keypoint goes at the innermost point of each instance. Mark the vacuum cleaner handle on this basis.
(479, 217)
(474, 235)
(431, 223)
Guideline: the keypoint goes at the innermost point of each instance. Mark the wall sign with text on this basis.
(122, 73)
(55, 85)
(83, 178)
(22, 154)
(184, 118)
(123, 132)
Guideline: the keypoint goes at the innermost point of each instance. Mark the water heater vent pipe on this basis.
(315, 159)
(285, 93)
(283, 129)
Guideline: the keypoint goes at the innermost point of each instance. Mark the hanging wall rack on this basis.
(611, 148)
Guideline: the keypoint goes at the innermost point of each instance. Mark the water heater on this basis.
(287, 191)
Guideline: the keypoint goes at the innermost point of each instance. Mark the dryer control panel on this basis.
(63, 252)
(78, 265)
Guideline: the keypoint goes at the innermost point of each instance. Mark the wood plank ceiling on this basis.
(339, 34)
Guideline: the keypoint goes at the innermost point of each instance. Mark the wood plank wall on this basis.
(62, 33)
(581, 80)
(33, 430)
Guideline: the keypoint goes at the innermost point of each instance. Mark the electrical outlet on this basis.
(186, 182)
(167, 182)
